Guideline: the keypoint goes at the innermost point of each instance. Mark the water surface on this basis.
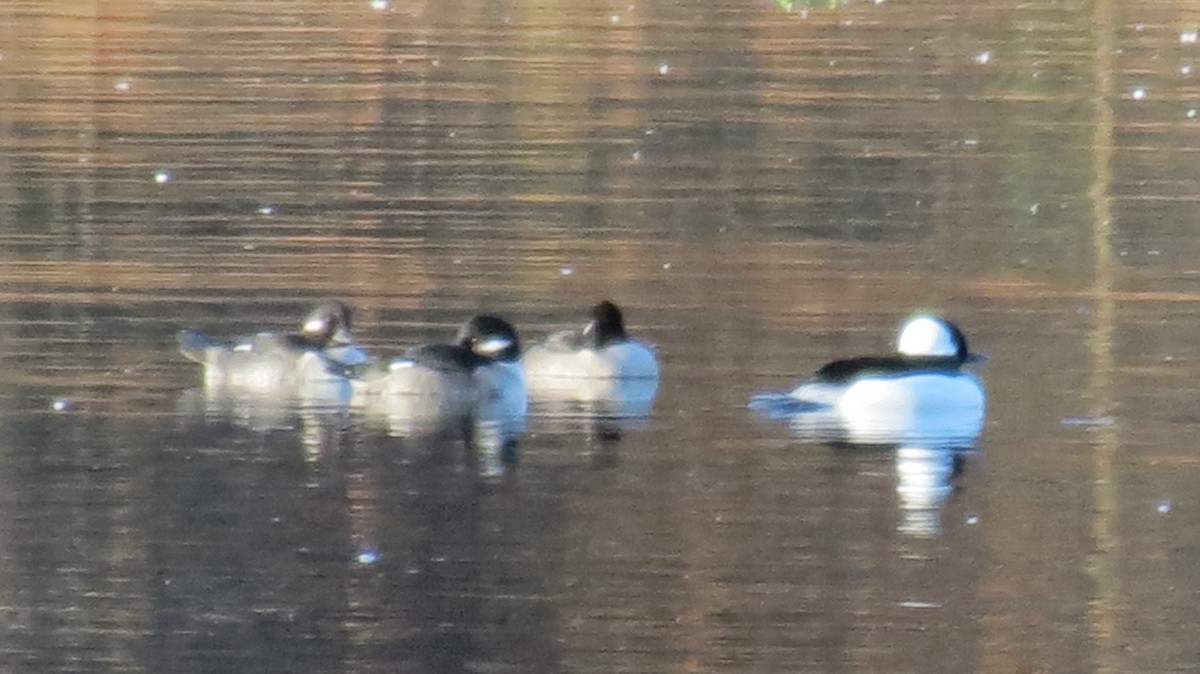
(762, 190)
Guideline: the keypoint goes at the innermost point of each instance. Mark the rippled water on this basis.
(762, 190)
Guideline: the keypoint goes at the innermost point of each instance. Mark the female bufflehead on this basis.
(601, 350)
(925, 388)
(479, 374)
(269, 362)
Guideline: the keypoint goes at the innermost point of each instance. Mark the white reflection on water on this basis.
(625, 400)
(602, 410)
(262, 412)
(316, 420)
(931, 450)
(924, 480)
(489, 429)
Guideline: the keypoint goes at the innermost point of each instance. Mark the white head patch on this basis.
(926, 336)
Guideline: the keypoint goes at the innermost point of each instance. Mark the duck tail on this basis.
(781, 405)
(194, 345)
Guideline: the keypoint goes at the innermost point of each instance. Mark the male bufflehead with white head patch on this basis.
(925, 387)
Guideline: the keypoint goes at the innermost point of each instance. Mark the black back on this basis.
(449, 357)
(845, 370)
(467, 352)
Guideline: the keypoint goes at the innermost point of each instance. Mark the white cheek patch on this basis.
(316, 325)
(926, 336)
(492, 346)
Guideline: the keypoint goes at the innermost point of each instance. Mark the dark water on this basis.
(762, 190)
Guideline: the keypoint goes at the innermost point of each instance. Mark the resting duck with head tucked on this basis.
(267, 362)
(479, 374)
(602, 349)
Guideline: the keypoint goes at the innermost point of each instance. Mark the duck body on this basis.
(275, 363)
(926, 389)
(479, 376)
(564, 356)
(893, 385)
(595, 363)
(882, 396)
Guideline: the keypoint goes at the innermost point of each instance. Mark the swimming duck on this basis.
(479, 374)
(926, 387)
(269, 362)
(602, 349)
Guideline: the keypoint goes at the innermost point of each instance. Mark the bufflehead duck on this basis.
(926, 388)
(269, 362)
(477, 375)
(602, 349)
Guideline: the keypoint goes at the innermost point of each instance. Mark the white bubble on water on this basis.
(1164, 507)
(1139, 93)
(162, 177)
(60, 405)
(983, 58)
(1189, 36)
(664, 68)
(123, 85)
(379, 5)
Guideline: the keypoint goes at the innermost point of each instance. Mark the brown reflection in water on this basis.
(1105, 607)
(764, 192)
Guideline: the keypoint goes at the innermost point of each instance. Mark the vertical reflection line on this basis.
(1101, 564)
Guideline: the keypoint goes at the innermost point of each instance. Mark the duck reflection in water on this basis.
(597, 375)
(473, 387)
(924, 401)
